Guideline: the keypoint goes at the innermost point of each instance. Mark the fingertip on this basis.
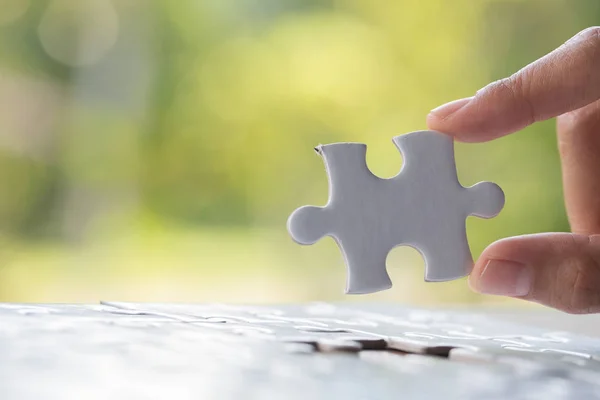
(444, 111)
(475, 276)
(559, 270)
(501, 270)
(462, 120)
(472, 282)
(442, 118)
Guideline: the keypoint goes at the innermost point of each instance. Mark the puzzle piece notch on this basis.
(423, 206)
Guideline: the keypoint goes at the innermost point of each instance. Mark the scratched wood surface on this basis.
(321, 351)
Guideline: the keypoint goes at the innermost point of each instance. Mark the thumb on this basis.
(560, 270)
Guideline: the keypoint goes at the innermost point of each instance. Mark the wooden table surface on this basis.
(303, 351)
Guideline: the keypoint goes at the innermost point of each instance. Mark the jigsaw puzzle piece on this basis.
(485, 199)
(309, 224)
(435, 206)
(348, 218)
(445, 251)
(347, 173)
(430, 167)
(424, 207)
(323, 339)
(428, 157)
(367, 272)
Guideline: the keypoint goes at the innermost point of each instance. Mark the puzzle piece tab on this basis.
(424, 207)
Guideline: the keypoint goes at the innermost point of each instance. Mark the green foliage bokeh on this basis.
(144, 115)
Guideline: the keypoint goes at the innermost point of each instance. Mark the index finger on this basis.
(564, 80)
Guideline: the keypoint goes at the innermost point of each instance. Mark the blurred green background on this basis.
(152, 150)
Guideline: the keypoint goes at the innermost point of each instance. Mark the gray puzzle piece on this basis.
(424, 207)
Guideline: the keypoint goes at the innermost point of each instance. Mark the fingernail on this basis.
(445, 110)
(505, 278)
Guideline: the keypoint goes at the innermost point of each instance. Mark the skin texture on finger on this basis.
(564, 80)
(579, 146)
(560, 270)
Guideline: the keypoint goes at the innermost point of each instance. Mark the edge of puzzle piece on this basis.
(368, 216)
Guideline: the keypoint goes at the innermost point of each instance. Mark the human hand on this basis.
(560, 270)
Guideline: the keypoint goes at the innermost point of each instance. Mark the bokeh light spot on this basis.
(11, 10)
(79, 32)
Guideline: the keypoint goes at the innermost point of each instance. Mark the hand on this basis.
(560, 270)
